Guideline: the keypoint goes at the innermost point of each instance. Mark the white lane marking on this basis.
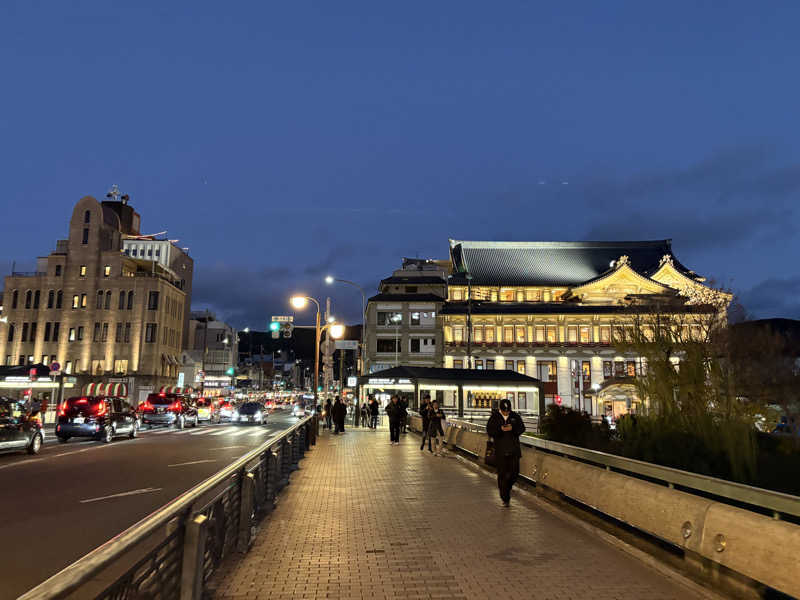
(22, 462)
(258, 432)
(202, 432)
(223, 432)
(122, 494)
(227, 447)
(193, 462)
(240, 432)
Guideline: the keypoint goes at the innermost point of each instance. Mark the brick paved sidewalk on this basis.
(400, 523)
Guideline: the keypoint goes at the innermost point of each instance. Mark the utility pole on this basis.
(469, 321)
(205, 351)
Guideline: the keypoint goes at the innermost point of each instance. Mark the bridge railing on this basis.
(174, 552)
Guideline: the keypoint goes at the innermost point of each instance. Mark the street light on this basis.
(330, 279)
(396, 318)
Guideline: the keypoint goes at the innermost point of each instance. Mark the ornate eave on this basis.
(619, 281)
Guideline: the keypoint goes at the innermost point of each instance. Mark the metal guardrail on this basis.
(199, 528)
(776, 502)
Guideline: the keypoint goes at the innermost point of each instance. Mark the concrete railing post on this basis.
(194, 549)
(246, 512)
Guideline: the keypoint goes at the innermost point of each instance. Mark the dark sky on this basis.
(282, 141)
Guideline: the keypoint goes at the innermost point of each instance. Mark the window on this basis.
(11, 332)
(59, 298)
(100, 299)
(585, 335)
(586, 368)
(127, 338)
(477, 334)
(607, 368)
(14, 299)
(539, 334)
(456, 294)
(68, 367)
(24, 332)
(149, 252)
(21, 359)
(390, 318)
(45, 359)
(508, 334)
(522, 401)
(97, 367)
(58, 270)
(605, 334)
(83, 271)
(85, 239)
(120, 366)
(108, 300)
(83, 300)
(552, 334)
(572, 334)
(121, 304)
(118, 337)
(28, 299)
(415, 318)
(630, 368)
(458, 333)
(521, 367)
(387, 345)
(96, 336)
(532, 295)
(546, 370)
(152, 301)
(493, 295)
(51, 297)
(33, 331)
(151, 332)
(520, 333)
(104, 335)
(458, 364)
(80, 333)
(158, 251)
(71, 334)
(87, 217)
(507, 295)
(619, 368)
(130, 300)
(36, 296)
(489, 364)
(488, 334)
(479, 364)
(56, 330)
(107, 271)
(415, 345)
(8, 360)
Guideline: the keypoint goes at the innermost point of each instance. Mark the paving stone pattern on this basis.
(400, 523)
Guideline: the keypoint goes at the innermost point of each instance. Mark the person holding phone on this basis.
(504, 427)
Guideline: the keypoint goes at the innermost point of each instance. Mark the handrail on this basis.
(778, 502)
(74, 575)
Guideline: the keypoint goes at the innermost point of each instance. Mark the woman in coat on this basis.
(504, 427)
(339, 413)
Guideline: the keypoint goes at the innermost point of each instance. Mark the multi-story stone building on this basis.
(402, 318)
(98, 312)
(553, 310)
(219, 342)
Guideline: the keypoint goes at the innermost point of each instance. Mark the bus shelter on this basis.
(456, 389)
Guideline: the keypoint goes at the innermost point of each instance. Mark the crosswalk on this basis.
(229, 431)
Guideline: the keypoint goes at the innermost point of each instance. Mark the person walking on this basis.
(424, 412)
(394, 411)
(328, 413)
(373, 412)
(404, 416)
(504, 427)
(435, 428)
(364, 415)
(339, 414)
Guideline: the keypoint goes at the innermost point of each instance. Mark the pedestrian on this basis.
(424, 412)
(328, 412)
(394, 411)
(373, 412)
(404, 416)
(339, 414)
(364, 415)
(436, 420)
(504, 427)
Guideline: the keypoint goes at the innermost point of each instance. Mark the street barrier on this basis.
(712, 521)
(187, 539)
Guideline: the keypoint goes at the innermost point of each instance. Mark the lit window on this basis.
(488, 333)
(71, 335)
(585, 335)
(458, 364)
(68, 367)
(572, 334)
(532, 295)
(477, 334)
(507, 295)
(457, 294)
(521, 367)
(83, 300)
(76, 301)
(605, 334)
(520, 331)
(415, 318)
(489, 364)
(552, 334)
(83, 271)
(508, 334)
(458, 333)
(107, 271)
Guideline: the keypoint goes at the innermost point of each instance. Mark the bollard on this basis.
(194, 550)
(246, 498)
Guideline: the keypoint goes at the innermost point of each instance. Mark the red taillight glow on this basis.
(101, 408)
(82, 401)
(62, 410)
(146, 406)
(176, 406)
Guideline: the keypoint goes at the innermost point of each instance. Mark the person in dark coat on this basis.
(394, 410)
(504, 427)
(424, 412)
(404, 416)
(339, 413)
(374, 411)
(436, 421)
(328, 413)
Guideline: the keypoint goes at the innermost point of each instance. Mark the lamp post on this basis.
(330, 280)
(469, 321)
(396, 319)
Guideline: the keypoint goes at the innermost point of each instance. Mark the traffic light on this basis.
(274, 326)
(229, 371)
(287, 330)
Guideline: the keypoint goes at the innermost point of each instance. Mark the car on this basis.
(98, 417)
(299, 409)
(225, 410)
(208, 410)
(168, 409)
(250, 412)
(19, 428)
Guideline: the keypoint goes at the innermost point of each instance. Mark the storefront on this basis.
(616, 398)
(456, 389)
(34, 384)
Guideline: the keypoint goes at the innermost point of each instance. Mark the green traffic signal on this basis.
(274, 326)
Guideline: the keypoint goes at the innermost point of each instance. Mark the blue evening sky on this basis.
(284, 141)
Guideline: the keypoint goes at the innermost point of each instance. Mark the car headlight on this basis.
(257, 414)
(236, 414)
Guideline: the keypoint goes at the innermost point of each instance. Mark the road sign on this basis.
(352, 381)
(347, 344)
(54, 367)
(283, 319)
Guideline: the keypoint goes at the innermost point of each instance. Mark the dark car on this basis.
(19, 429)
(251, 412)
(168, 409)
(97, 417)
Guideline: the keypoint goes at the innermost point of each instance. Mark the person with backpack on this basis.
(504, 427)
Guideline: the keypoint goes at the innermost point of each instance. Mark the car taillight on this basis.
(146, 406)
(176, 406)
(101, 409)
(62, 410)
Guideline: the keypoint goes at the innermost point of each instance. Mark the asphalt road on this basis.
(70, 498)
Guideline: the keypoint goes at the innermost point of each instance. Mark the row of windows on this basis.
(100, 334)
(507, 294)
(395, 318)
(141, 252)
(574, 334)
(546, 370)
(416, 345)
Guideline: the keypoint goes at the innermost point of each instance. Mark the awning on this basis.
(174, 389)
(118, 390)
(91, 389)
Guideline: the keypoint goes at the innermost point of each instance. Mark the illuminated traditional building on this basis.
(552, 310)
